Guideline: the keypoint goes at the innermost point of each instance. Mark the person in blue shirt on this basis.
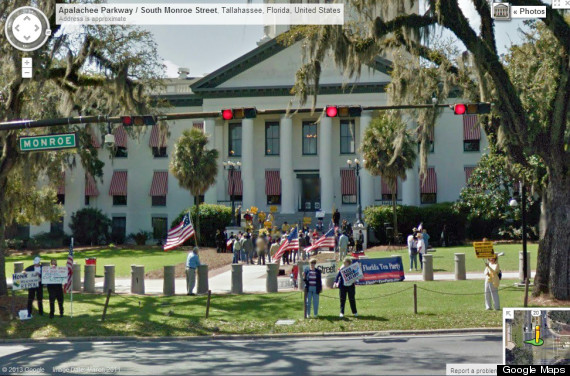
(192, 262)
(425, 237)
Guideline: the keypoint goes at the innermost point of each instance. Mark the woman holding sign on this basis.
(55, 291)
(345, 288)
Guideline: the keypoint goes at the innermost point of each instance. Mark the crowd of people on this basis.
(418, 244)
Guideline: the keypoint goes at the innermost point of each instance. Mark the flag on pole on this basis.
(420, 227)
(290, 243)
(325, 241)
(67, 287)
(179, 234)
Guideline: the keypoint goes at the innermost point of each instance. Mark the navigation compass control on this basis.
(27, 28)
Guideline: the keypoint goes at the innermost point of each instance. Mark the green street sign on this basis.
(48, 142)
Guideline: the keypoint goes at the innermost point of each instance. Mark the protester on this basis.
(444, 239)
(192, 262)
(220, 242)
(359, 240)
(421, 246)
(413, 250)
(344, 226)
(308, 244)
(55, 292)
(243, 253)
(302, 245)
(492, 282)
(313, 287)
(36, 291)
(236, 249)
(274, 247)
(336, 218)
(425, 237)
(261, 244)
(248, 248)
(346, 289)
(343, 245)
(285, 227)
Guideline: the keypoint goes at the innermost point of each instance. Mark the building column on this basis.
(325, 164)
(366, 179)
(211, 196)
(286, 165)
(247, 161)
(411, 187)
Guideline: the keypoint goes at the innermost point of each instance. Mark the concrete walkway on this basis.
(254, 281)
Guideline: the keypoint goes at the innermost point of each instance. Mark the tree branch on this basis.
(412, 21)
(487, 22)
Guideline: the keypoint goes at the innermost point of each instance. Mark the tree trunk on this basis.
(197, 229)
(553, 274)
(3, 284)
(395, 217)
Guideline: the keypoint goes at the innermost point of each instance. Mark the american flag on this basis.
(178, 235)
(291, 242)
(325, 241)
(67, 286)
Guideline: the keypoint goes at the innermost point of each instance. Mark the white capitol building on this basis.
(286, 161)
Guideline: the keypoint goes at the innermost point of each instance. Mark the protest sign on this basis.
(54, 275)
(327, 268)
(484, 249)
(351, 274)
(24, 281)
(381, 270)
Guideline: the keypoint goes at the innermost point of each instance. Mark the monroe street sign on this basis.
(48, 142)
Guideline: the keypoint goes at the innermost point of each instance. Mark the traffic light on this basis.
(343, 111)
(138, 120)
(471, 108)
(239, 113)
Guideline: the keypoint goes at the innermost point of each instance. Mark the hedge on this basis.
(212, 218)
(433, 217)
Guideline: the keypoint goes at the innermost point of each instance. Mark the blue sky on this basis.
(204, 49)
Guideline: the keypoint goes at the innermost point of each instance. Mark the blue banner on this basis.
(381, 270)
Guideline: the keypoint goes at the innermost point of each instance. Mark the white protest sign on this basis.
(54, 275)
(351, 274)
(327, 268)
(24, 281)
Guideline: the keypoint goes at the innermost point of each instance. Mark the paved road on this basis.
(411, 355)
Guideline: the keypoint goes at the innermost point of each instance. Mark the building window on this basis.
(471, 145)
(309, 138)
(387, 197)
(87, 200)
(234, 148)
(121, 152)
(272, 138)
(158, 200)
(430, 147)
(428, 198)
(159, 152)
(56, 228)
(273, 199)
(119, 200)
(118, 229)
(347, 130)
(61, 199)
(200, 199)
(159, 227)
(348, 199)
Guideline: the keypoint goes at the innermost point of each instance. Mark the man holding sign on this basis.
(54, 278)
(37, 291)
(347, 275)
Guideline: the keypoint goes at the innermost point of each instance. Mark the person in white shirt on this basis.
(421, 245)
(492, 282)
(413, 251)
(343, 245)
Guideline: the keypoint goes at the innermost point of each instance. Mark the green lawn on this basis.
(152, 258)
(257, 313)
(444, 259)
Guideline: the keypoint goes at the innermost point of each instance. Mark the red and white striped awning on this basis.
(61, 186)
(235, 186)
(431, 134)
(120, 137)
(387, 189)
(198, 125)
(90, 186)
(118, 184)
(428, 183)
(468, 172)
(347, 181)
(471, 129)
(157, 138)
(272, 183)
(159, 186)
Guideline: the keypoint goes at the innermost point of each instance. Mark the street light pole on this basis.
(356, 168)
(525, 259)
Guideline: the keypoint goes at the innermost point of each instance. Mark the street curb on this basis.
(261, 336)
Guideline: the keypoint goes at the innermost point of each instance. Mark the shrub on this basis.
(212, 218)
(46, 240)
(90, 226)
(141, 237)
(433, 217)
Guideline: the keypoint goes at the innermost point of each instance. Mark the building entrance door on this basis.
(310, 192)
